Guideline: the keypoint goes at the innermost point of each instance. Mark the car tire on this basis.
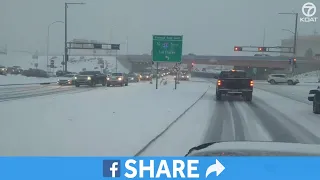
(108, 85)
(315, 107)
(104, 83)
(93, 83)
(126, 84)
(248, 97)
(218, 96)
(272, 81)
(290, 82)
(77, 84)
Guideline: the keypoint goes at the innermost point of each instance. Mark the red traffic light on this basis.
(262, 49)
(237, 48)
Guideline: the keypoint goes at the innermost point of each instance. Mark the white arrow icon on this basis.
(167, 57)
(217, 167)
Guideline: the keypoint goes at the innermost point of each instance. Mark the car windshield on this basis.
(226, 59)
(117, 74)
(89, 73)
(70, 75)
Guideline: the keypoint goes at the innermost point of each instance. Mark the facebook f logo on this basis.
(111, 168)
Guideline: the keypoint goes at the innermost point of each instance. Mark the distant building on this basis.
(304, 44)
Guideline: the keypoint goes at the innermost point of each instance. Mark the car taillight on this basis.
(251, 83)
(219, 82)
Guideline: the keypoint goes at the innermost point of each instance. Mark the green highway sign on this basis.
(167, 48)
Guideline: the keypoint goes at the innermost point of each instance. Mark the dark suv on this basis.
(90, 78)
(117, 79)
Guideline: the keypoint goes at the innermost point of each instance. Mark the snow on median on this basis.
(102, 122)
(19, 79)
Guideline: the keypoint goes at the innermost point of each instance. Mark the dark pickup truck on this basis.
(314, 96)
(234, 82)
(90, 78)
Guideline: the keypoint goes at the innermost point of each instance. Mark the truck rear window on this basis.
(233, 74)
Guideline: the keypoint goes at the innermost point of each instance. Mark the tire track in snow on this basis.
(226, 123)
(40, 91)
(235, 120)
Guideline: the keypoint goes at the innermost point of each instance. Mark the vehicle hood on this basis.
(115, 77)
(249, 148)
(65, 78)
(84, 75)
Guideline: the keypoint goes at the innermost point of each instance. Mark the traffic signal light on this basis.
(295, 62)
(262, 49)
(237, 48)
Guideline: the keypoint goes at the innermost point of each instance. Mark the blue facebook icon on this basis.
(111, 168)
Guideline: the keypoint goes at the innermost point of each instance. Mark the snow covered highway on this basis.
(8, 93)
(140, 120)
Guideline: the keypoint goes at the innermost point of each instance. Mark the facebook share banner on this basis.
(96, 168)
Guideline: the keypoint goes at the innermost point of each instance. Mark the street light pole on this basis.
(127, 44)
(295, 37)
(65, 34)
(110, 38)
(65, 37)
(48, 43)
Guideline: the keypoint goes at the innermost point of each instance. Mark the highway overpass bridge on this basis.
(270, 62)
(252, 61)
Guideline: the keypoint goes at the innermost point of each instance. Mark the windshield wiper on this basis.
(202, 146)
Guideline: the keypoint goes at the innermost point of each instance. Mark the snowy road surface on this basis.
(104, 121)
(19, 79)
(8, 93)
(139, 120)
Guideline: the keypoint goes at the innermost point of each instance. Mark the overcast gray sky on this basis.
(208, 26)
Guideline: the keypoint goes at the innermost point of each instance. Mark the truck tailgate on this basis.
(235, 83)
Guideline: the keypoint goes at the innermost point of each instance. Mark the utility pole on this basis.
(66, 58)
(264, 38)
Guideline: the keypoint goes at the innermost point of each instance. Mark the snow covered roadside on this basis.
(187, 132)
(103, 122)
(19, 79)
(309, 77)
